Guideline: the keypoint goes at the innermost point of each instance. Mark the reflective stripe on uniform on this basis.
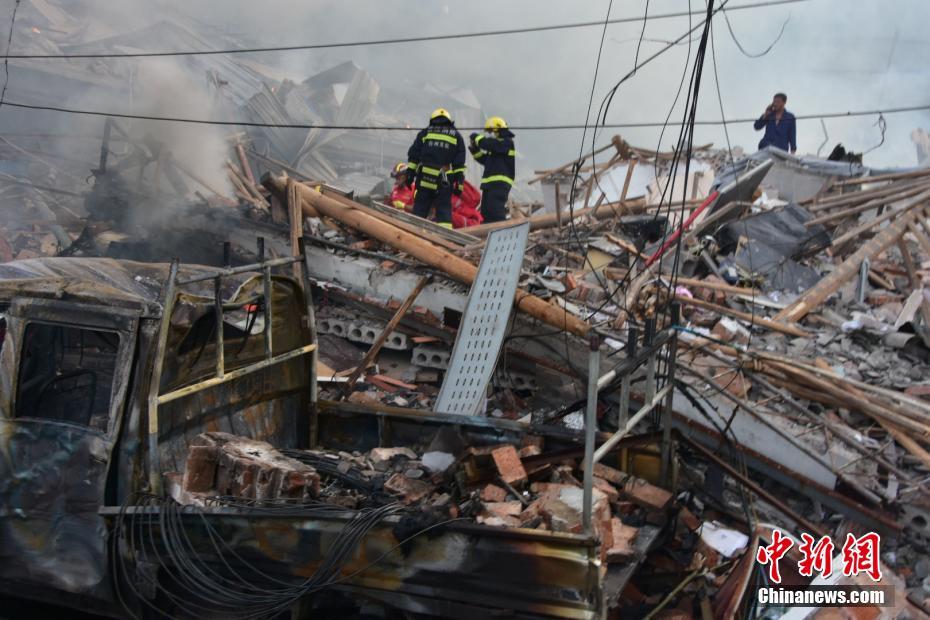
(445, 225)
(497, 177)
(428, 185)
(412, 166)
(479, 138)
(512, 152)
(441, 137)
(456, 170)
(430, 171)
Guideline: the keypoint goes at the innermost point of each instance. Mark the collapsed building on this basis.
(603, 407)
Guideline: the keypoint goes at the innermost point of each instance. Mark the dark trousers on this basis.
(425, 199)
(494, 202)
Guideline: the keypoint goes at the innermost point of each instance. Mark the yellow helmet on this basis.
(495, 123)
(440, 112)
(399, 169)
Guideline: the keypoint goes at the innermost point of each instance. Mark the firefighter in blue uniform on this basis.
(436, 163)
(495, 151)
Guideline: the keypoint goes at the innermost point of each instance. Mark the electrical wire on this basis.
(763, 52)
(882, 125)
(420, 39)
(552, 127)
(6, 62)
(153, 551)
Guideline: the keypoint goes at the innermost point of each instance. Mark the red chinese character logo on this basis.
(770, 554)
(861, 555)
(817, 556)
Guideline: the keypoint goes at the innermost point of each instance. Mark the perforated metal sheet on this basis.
(484, 322)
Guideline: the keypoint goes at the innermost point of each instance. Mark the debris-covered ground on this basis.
(761, 342)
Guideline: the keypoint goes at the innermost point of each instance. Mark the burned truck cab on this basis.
(79, 363)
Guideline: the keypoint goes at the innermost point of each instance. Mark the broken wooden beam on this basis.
(753, 320)
(816, 295)
(455, 267)
(383, 336)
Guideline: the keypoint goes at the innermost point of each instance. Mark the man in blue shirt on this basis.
(779, 125)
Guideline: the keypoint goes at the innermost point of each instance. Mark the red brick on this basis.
(561, 517)
(508, 465)
(569, 281)
(497, 521)
(200, 470)
(530, 514)
(610, 474)
(492, 493)
(410, 490)
(647, 495)
(621, 548)
(607, 489)
(503, 509)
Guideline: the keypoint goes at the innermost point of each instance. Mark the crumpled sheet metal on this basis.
(449, 572)
(57, 539)
(105, 281)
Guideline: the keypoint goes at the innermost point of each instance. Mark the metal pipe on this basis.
(631, 345)
(590, 422)
(218, 311)
(648, 340)
(155, 485)
(276, 262)
(668, 451)
(233, 374)
(755, 488)
(608, 445)
(266, 309)
(311, 324)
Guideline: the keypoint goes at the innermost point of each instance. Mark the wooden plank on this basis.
(455, 236)
(716, 286)
(454, 266)
(295, 224)
(383, 336)
(629, 177)
(843, 200)
(758, 321)
(872, 204)
(857, 231)
(420, 228)
(244, 163)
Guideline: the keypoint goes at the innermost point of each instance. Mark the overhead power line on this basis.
(203, 121)
(438, 37)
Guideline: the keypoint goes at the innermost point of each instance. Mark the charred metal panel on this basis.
(51, 485)
(524, 573)
(53, 473)
(269, 405)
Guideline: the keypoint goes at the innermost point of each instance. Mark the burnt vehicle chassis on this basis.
(134, 360)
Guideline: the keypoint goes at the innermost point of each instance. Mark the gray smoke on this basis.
(835, 55)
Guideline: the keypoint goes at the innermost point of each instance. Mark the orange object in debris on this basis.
(464, 207)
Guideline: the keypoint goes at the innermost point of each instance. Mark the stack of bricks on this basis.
(224, 464)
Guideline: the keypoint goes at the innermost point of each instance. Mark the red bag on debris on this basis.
(464, 208)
